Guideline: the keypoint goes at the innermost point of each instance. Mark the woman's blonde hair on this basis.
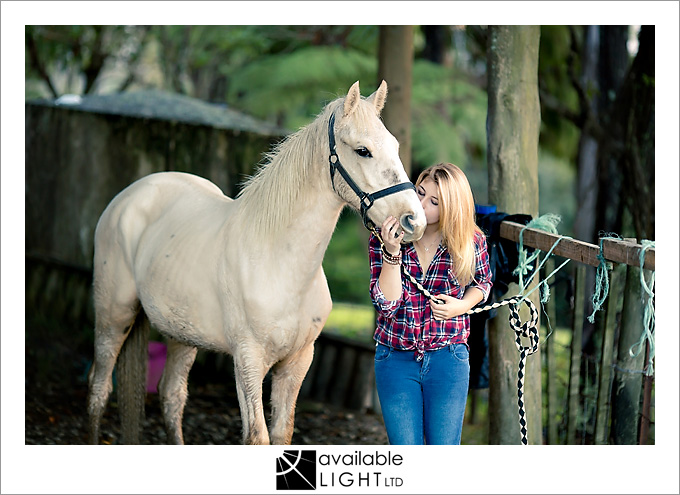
(456, 217)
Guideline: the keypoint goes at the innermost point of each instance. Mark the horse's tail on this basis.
(131, 377)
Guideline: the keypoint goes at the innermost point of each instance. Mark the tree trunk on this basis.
(632, 120)
(613, 64)
(513, 123)
(395, 65)
(435, 43)
(628, 378)
(586, 193)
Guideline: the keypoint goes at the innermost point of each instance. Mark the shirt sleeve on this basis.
(482, 277)
(382, 305)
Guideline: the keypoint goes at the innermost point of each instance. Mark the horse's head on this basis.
(371, 176)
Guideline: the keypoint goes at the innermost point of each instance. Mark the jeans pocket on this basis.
(460, 352)
(382, 352)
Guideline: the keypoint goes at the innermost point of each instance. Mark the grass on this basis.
(350, 320)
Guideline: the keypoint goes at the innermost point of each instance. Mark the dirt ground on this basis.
(56, 414)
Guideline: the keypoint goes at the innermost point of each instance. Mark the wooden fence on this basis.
(622, 393)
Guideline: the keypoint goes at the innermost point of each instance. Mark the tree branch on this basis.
(38, 65)
(97, 60)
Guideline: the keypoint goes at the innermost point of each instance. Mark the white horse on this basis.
(239, 276)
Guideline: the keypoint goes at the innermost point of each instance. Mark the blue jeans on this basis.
(423, 401)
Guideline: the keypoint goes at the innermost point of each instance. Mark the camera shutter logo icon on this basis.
(296, 470)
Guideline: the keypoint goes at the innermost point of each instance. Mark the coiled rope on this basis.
(528, 329)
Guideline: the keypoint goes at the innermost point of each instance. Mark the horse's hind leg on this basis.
(287, 377)
(173, 388)
(109, 336)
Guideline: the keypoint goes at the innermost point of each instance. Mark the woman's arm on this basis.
(390, 274)
(475, 293)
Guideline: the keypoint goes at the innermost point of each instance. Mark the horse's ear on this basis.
(352, 99)
(378, 98)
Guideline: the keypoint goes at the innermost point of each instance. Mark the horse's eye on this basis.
(363, 152)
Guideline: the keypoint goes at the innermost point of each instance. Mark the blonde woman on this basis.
(422, 359)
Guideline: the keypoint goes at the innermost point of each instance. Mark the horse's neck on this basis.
(307, 236)
(292, 223)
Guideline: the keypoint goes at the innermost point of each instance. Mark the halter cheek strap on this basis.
(366, 199)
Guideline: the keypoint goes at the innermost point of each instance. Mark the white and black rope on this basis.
(528, 329)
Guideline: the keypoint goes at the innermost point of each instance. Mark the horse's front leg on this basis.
(173, 388)
(287, 379)
(250, 372)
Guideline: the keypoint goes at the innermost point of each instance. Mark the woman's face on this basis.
(428, 195)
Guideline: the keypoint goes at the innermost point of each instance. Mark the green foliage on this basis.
(558, 134)
(557, 189)
(70, 59)
(287, 87)
(355, 321)
(346, 261)
(448, 118)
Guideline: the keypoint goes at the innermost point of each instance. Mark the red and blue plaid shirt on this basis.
(407, 323)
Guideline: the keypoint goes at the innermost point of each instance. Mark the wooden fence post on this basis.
(551, 365)
(646, 403)
(628, 377)
(614, 304)
(576, 350)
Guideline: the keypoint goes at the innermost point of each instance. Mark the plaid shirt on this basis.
(407, 323)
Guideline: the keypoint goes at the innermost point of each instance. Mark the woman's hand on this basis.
(451, 308)
(389, 230)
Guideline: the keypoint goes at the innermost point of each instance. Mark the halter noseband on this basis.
(366, 199)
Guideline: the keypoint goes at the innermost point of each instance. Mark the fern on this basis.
(289, 84)
(448, 118)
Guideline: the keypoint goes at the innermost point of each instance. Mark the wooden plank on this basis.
(551, 366)
(583, 252)
(575, 366)
(340, 385)
(646, 419)
(324, 375)
(614, 304)
(628, 371)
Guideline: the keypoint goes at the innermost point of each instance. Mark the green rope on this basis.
(648, 315)
(602, 278)
(548, 223)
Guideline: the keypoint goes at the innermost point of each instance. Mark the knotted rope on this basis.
(527, 329)
(602, 278)
(602, 291)
(548, 223)
(648, 315)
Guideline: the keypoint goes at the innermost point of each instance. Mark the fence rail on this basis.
(618, 251)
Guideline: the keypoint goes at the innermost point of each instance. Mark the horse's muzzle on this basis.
(413, 228)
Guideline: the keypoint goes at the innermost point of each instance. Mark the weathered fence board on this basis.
(550, 358)
(628, 371)
(575, 357)
(614, 304)
(583, 252)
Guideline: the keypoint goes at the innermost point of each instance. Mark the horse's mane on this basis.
(272, 192)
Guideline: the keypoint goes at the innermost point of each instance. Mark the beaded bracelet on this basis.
(391, 259)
